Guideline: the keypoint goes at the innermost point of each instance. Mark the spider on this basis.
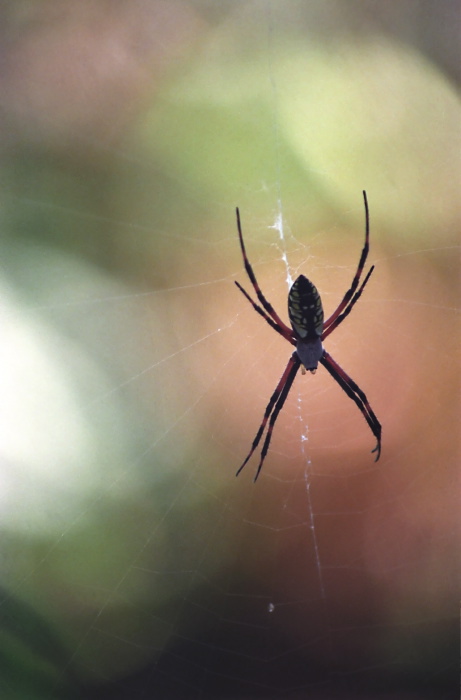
(307, 332)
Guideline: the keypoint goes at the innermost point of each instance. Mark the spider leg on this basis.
(339, 319)
(249, 270)
(278, 407)
(355, 282)
(356, 394)
(273, 407)
(288, 335)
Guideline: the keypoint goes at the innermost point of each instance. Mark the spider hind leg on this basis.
(357, 395)
(272, 411)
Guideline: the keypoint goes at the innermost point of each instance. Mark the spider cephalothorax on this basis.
(307, 333)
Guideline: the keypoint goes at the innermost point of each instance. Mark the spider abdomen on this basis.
(305, 309)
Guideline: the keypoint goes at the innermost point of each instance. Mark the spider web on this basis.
(135, 375)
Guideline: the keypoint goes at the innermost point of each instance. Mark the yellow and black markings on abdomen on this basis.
(305, 309)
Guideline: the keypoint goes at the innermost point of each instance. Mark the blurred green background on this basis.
(134, 375)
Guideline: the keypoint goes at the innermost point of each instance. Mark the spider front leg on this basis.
(274, 407)
(267, 306)
(285, 332)
(351, 297)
